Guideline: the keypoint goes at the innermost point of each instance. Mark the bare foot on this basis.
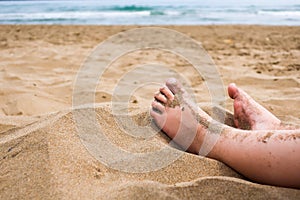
(179, 121)
(250, 115)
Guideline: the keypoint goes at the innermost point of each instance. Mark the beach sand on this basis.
(42, 154)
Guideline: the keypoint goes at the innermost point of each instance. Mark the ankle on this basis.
(212, 145)
(197, 141)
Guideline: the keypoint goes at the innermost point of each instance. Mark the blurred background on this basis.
(155, 12)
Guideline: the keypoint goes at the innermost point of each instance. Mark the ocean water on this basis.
(152, 12)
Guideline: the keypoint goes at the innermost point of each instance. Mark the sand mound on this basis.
(47, 159)
(218, 187)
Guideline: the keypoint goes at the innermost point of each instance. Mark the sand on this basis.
(41, 151)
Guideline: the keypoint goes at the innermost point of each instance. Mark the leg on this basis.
(264, 156)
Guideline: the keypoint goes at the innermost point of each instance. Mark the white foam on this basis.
(281, 13)
(72, 15)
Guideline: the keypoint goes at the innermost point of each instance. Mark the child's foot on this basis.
(250, 115)
(179, 122)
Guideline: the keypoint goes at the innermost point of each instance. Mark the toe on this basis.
(237, 93)
(174, 85)
(155, 115)
(238, 113)
(159, 119)
(167, 92)
(160, 97)
(233, 90)
(158, 106)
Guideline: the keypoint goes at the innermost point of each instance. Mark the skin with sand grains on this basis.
(259, 146)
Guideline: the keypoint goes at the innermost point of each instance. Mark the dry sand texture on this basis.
(41, 155)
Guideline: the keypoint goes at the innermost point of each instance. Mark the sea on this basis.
(152, 12)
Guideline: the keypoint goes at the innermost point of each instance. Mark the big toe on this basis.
(233, 90)
(174, 85)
